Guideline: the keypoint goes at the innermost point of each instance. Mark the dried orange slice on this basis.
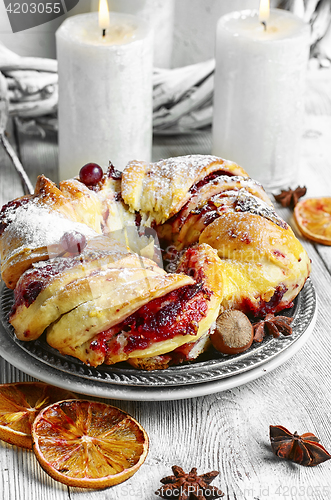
(88, 444)
(313, 217)
(20, 402)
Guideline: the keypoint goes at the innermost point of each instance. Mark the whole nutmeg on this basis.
(233, 333)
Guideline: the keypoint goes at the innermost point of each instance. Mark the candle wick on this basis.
(103, 32)
(264, 24)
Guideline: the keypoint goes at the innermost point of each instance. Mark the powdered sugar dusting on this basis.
(95, 259)
(244, 181)
(247, 202)
(166, 183)
(36, 226)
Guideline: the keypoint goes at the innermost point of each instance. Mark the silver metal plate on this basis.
(208, 369)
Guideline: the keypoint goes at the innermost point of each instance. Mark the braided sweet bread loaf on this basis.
(85, 269)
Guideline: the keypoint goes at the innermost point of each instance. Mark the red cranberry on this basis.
(90, 174)
(73, 243)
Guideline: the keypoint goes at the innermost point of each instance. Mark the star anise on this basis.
(289, 198)
(304, 450)
(272, 325)
(189, 486)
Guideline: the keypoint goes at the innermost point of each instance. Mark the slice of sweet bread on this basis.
(159, 190)
(52, 288)
(143, 314)
(79, 258)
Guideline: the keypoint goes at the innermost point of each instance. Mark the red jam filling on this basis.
(209, 212)
(113, 173)
(177, 313)
(35, 280)
(278, 254)
(32, 291)
(263, 308)
(209, 178)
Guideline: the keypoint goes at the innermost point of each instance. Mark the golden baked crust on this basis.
(161, 362)
(159, 190)
(264, 266)
(186, 353)
(31, 225)
(86, 203)
(211, 200)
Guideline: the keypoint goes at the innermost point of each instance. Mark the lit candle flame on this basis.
(264, 12)
(103, 15)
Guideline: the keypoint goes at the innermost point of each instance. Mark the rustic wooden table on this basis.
(227, 431)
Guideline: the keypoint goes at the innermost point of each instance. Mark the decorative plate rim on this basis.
(210, 370)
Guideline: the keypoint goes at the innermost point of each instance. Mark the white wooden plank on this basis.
(10, 183)
(39, 155)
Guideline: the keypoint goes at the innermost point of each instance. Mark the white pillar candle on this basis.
(105, 92)
(195, 27)
(159, 14)
(259, 92)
